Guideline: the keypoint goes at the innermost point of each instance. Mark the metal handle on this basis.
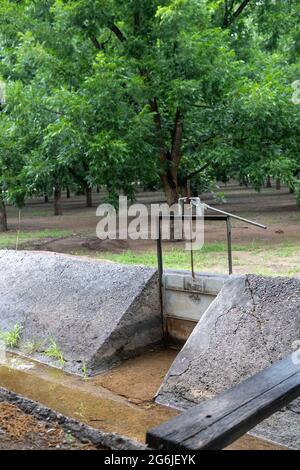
(251, 222)
(196, 201)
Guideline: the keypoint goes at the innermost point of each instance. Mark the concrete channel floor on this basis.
(120, 400)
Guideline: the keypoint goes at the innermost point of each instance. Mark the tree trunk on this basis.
(171, 189)
(98, 190)
(269, 182)
(57, 201)
(278, 184)
(89, 197)
(169, 159)
(3, 217)
(68, 193)
(46, 198)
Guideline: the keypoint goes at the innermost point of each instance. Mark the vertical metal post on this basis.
(159, 250)
(191, 242)
(229, 244)
(160, 271)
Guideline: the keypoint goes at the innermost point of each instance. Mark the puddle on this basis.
(119, 400)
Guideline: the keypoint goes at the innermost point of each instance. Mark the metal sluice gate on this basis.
(220, 216)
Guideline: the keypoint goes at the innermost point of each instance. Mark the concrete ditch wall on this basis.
(254, 322)
(97, 313)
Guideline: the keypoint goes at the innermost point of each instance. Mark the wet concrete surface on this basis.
(88, 401)
(120, 400)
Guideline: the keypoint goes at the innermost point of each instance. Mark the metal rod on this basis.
(251, 222)
(229, 245)
(191, 247)
(192, 264)
(160, 272)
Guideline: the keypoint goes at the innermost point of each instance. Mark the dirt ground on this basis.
(276, 209)
(19, 431)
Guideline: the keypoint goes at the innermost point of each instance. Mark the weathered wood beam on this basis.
(216, 423)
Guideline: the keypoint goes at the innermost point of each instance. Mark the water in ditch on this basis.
(120, 400)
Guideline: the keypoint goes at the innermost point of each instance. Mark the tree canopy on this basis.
(118, 93)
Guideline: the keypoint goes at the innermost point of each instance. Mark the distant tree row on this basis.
(113, 93)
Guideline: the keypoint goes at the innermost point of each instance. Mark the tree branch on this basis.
(58, 113)
(114, 28)
(203, 140)
(98, 45)
(240, 9)
(227, 11)
(158, 126)
(137, 21)
(228, 20)
(177, 139)
(196, 172)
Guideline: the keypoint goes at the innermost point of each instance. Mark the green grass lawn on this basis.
(252, 258)
(9, 239)
(28, 212)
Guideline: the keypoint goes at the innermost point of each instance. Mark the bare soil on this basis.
(275, 208)
(19, 431)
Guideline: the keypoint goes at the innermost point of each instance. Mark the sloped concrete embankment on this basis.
(254, 322)
(97, 313)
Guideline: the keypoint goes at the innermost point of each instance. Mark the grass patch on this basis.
(256, 258)
(55, 353)
(173, 259)
(27, 212)
(8, 239)
(84, 370)
(12, 337)
(179, 258)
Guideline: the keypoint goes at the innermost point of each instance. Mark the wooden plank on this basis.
(218, 422)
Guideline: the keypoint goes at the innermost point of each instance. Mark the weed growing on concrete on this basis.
(11, 338)
(84, 370)
(30, 347)
(54, 352)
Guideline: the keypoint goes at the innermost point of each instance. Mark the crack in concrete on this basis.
(219, 318)
(258, 320)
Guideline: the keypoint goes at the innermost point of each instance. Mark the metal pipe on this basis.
(160, 273)
(229, 245)
(256, 224)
